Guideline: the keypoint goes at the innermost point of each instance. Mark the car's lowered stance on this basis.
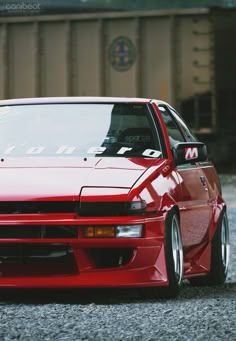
(107, 192)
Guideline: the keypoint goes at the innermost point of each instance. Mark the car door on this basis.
(194, 204)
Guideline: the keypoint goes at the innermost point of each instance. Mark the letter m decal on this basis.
(191, 153)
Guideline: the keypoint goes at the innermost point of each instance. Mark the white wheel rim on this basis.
(177, 250)
(225, 243)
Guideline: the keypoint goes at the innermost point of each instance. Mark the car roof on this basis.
(82, 99)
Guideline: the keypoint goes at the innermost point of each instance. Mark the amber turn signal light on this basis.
(99, 232)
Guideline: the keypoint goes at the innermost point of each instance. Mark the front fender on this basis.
(218, 208)
(167, 203)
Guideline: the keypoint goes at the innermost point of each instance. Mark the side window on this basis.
(174, 132)
(187, 132)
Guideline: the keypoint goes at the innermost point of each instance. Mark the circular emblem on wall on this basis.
(121, 53)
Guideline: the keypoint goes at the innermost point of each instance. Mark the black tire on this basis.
(219, 256)
(174, 260)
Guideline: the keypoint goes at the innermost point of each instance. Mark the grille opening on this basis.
(110, 257)
(36, 260)
(31, 207)
(38, 231)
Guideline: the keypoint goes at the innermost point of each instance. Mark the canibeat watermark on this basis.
(22, 7)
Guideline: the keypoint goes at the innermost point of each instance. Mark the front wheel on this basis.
(174, 260)
(174, 256)
(219, 255)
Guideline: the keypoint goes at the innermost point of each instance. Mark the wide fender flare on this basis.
(218, 208)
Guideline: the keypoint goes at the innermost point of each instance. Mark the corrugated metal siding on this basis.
(21, 60)
(53, 58)
(87, 58)
(156, 58)
(138, 55)
(73, 56)
(169, 55)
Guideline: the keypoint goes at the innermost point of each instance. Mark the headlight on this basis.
(120, 231)
(129, 231)
(117, 208)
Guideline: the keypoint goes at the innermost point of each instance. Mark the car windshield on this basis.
(78, 129)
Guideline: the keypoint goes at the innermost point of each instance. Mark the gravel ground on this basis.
(198, 313)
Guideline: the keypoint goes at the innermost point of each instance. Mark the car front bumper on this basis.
(144, 265)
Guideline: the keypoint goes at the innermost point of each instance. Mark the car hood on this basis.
(55, 179)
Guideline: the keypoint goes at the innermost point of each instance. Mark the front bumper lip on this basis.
(113, 279)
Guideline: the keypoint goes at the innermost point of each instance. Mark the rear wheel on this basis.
(219, 255)
(174, 260)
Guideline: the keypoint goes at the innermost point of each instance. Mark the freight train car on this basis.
(186, 57)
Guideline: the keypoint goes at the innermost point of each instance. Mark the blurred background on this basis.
(180, 51)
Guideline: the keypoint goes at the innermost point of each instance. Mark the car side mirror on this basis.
(189, 152)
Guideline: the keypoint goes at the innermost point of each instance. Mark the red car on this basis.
(107, 192)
